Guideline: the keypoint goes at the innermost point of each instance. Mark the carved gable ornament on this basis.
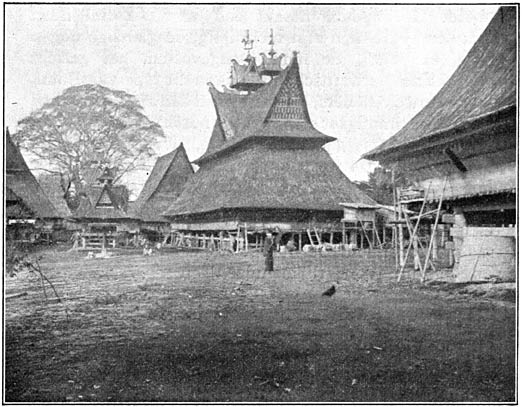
(289, 104)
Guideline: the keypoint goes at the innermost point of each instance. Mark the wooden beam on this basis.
(455, 159)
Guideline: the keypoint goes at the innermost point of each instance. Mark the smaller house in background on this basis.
(164, 185)
(29, 212)
(103, 211)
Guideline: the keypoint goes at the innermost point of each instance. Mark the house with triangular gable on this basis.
(163, 186)
(28, 208)
(103, 207)
(265, 167)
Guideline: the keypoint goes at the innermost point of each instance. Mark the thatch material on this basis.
(90, 209)
(248, 115)
(267, 176)
(22, 185)
(483, 85)
(265, 161)
(52, 186)
(164, 185)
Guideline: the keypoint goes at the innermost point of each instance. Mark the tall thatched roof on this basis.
(20, 183)
(484, 84)
(52, 186)
(265, 176)
(164, 185)
(241, 117)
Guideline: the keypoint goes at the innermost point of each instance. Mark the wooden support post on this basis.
(310, 237)
(366, 236)
(246, 238)
(395, 227)
(343, 232)
(331, 237)
(416, 258)
(435, 254)
(237, 238)
(300, 241)
(319, 240)
(401, 246)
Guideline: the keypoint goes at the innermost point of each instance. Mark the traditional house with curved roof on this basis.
(461, 150)
(164, 184)
(467, 132)
(25, 201)
(265, 166)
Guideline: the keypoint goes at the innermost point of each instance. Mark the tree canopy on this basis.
(380, 184)
(86, 125)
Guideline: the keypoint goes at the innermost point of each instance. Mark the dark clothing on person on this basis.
(268, 251)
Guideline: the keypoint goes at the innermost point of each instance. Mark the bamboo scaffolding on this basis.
(434, 230)
(414, 234)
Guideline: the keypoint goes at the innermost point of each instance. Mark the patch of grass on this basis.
(183, 331)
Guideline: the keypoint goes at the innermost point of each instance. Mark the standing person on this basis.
(268, 251)
(75, 238)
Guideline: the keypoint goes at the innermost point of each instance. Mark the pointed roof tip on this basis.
(181, 147)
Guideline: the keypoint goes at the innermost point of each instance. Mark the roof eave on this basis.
(378, 155)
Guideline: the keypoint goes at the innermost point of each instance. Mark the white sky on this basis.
(366, 70)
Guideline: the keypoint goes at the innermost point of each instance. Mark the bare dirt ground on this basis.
(214, 327)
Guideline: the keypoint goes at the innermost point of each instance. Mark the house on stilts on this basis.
(30, 215)
(163, 186)
(265, 167)
(103, 212)
(460, 151)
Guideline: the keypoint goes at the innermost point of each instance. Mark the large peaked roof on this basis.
(21, 183)
(483, 84)
(244, 116)
(164, 185)
(271, 178)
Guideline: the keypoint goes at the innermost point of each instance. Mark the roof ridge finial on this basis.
(247, 44)
(271, 43)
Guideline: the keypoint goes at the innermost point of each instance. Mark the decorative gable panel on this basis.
(290, 104)
(105, 200)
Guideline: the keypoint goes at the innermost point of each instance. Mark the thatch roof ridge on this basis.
(264, 177)
(246, 114)
(21, 182)
(483, 84)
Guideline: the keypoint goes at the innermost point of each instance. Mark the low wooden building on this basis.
(265, 167)
(461, 147)
(103, 212)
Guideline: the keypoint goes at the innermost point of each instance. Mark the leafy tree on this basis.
(86, 125)
(380, 186)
